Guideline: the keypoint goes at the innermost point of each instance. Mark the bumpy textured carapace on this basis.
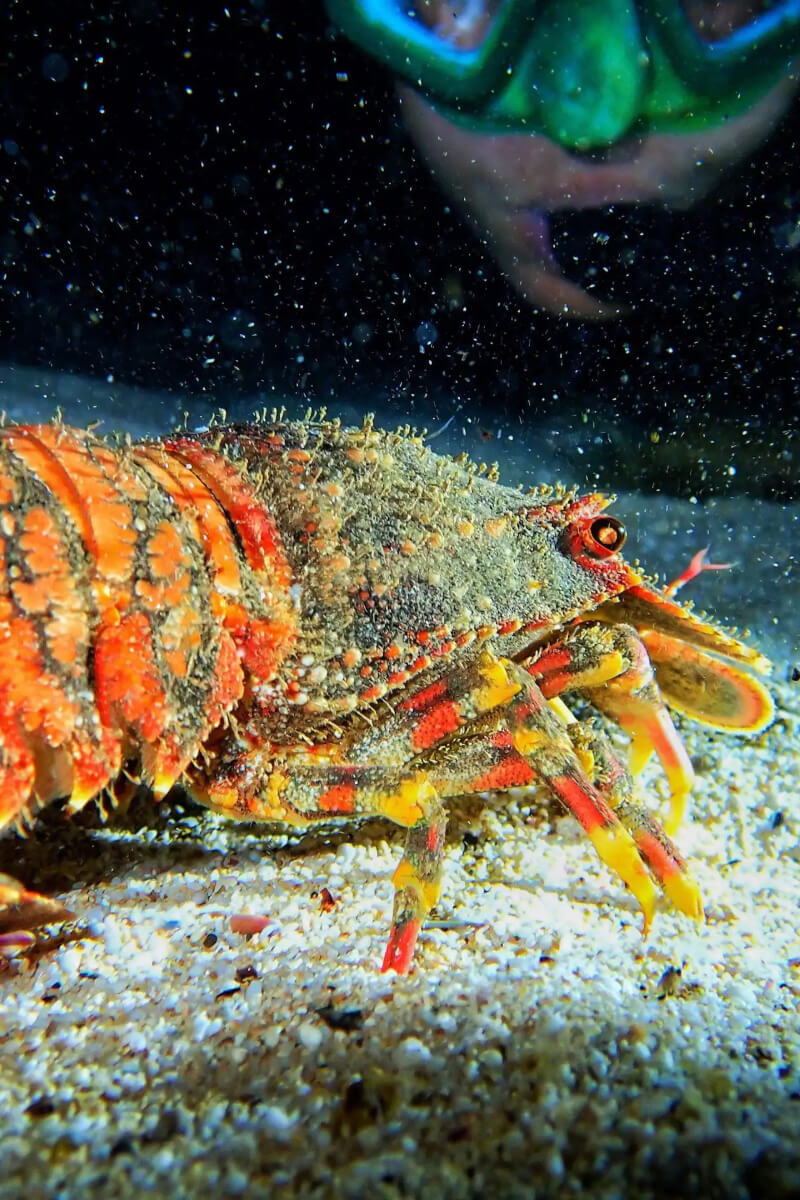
(310, 623)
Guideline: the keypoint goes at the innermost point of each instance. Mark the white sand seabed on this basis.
(539, 1048)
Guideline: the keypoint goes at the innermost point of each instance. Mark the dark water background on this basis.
(211, 198)
(218, 205)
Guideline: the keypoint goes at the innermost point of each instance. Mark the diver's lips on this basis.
(536, 274)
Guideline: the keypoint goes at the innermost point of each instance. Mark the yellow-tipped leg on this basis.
(641, 751)
(413, 900)
(667, 865)
(617, 849)
(685, 895)
(678, 804)
(660, 856)
(676, 764)
(418, 883)
(426, 891)
(654, 731)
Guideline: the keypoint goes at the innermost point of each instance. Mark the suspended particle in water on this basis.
(55, 67)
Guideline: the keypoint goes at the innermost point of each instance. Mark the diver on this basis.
(522, 108)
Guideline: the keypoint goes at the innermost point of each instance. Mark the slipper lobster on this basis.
(306, 623)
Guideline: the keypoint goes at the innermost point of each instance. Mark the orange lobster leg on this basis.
(609, 664)
(418, 883)
(21, 911)
(517, 738)
(615, 783)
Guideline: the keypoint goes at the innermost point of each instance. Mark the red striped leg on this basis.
(613, 780)
(609, 664)
(543, 740)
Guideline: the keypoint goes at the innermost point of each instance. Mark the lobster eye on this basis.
(605, 536)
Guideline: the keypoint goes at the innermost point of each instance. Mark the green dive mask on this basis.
(583, 72)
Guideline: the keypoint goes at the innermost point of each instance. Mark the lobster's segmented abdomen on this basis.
(140, 588)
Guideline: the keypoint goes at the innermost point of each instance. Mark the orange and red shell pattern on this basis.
(293, 570)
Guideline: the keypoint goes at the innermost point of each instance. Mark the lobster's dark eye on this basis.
(605, 535)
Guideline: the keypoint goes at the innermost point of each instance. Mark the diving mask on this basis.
(585, 73)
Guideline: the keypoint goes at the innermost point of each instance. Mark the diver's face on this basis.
(509, 183)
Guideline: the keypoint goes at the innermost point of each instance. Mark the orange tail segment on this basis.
(138, 588)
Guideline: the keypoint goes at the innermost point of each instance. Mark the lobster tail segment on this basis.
(134, 601)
